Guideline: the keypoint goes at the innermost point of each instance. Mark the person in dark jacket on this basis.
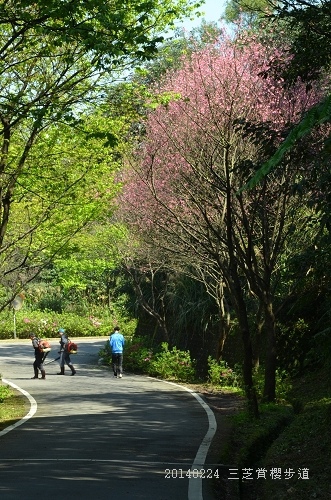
(39, 358)
(64, 354)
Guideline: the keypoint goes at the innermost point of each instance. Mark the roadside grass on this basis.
(13, 406)
(306, 443)
(287, 451)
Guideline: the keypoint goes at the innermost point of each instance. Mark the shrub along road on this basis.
(95, 436)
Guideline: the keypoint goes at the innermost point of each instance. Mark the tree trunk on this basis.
(237, 293)
(224, 315)
(248, 361)
(258, 338)
(269, 393)
(241, 313)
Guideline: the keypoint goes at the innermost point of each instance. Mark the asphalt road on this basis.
(93, 436)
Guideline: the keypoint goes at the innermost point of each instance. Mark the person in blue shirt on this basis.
(116, 342)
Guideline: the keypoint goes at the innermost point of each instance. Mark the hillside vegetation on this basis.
(287, 451)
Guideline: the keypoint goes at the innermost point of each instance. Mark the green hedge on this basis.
(159, 362)
(46, 324)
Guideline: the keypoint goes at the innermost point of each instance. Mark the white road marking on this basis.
(195, 484)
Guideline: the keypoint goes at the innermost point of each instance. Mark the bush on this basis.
(5, 392)
(283, 384)
(220, 374)
(139, 358)
(47, 323)
(136, 355)
(172, 365)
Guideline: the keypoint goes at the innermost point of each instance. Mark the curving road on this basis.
(93, 436)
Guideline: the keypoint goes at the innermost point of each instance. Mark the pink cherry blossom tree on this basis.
(218, 120)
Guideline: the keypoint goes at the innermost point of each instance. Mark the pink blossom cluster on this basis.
(95, 322)
(188, 138)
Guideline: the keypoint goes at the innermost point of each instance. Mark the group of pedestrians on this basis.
(116, 342)
(40, 356)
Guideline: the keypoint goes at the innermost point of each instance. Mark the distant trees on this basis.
(251, 10)
(309, 23)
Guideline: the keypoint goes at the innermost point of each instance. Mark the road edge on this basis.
(195, 484)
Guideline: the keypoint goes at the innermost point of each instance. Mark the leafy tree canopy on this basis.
(50, 51)
(172, 51)
(68, 183)
(310, 25)
(250, 9)
(307, 24)
(105, 29)
(56, 57)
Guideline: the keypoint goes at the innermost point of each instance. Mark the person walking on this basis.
(116, 342)
(64, 354)
(39, 358)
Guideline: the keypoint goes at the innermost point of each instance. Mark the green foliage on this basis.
(251, 10)
(221, 375)
(83, 279)
(252, 438)
(310, 23)
(168, 364)
(300, 445)
(70, 183)
(172, 364)
(5, 392)
(306, 442)
(109, 31)
(293, 344)
(283, 383)
(46, 324)
(57, 165)
(318, 114)
(137, 355)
